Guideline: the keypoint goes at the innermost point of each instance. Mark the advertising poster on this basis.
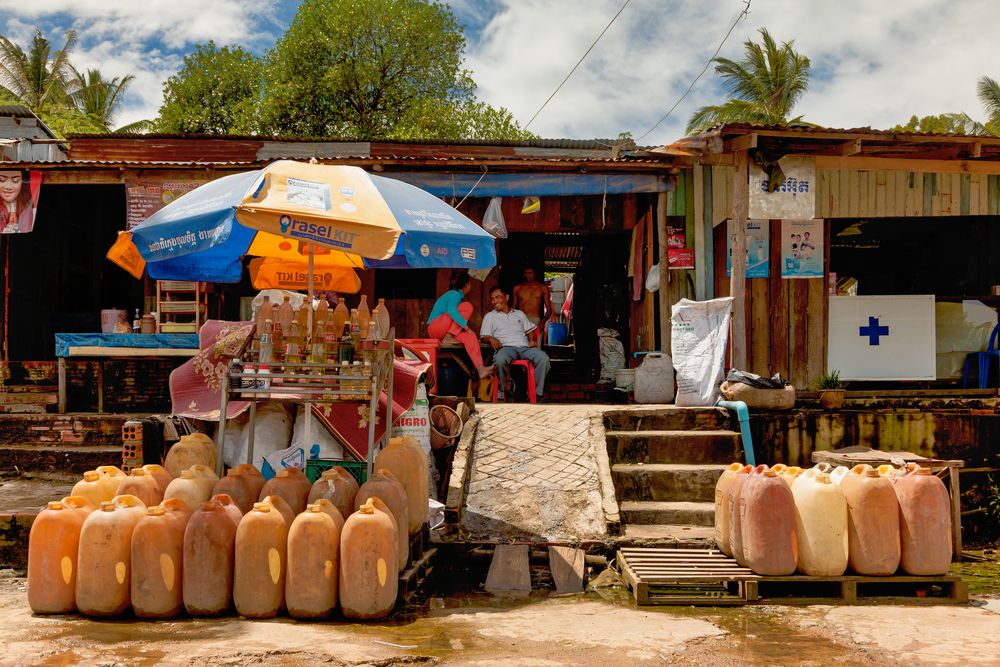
(758, 250)
(794, 198)
(19, 191)
(678, 255)
(144, 198)
(802, 248)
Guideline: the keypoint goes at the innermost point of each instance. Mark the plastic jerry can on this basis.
(820, 525)
(157, 563)
(104, 560)
(209, 558)
(408, 469)
(722, 507)
(368, 569)
(767, 519)
(872, 522)
(288, 487)
(53, 545)
(338, 486)
(311, 584)
(259, 567)
(924, 523)
(384, 486)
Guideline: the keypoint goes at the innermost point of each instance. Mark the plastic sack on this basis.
(612, 354)
(754, 380)
(699, 331)
(329, 446)
(234, 437)
(493, 219)
(272, 432)
(416, 421)
(653, 279)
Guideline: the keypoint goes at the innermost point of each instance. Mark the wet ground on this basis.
(598, 629)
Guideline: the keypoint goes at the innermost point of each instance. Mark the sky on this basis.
(873, 63)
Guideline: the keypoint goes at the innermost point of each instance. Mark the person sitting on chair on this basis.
(506, 329)
(450, 315)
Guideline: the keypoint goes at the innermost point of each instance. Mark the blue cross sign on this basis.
(873, 331)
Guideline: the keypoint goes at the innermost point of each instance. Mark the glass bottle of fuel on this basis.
(345, 351)
(355, 325)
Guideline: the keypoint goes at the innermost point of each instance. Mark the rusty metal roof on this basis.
(16, 110)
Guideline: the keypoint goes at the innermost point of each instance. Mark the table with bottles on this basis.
(309, 356)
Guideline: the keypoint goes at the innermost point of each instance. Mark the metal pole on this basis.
(252, 424)
(220, 436)
(307, 406)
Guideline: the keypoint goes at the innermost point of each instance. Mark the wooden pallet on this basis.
(413, 578)
(856, 589)
(684, 576)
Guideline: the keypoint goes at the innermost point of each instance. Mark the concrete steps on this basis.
(665, 463)
(70, 443)
(667, 481)
(677, 512)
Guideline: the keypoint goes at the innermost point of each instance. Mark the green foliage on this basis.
(64, 119)
(763, 87)
(98, 98)
(831, 380)
(988, 91)
(377, 69)
(217, 91)
(37, 79)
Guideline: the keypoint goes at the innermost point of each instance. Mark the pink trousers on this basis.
(443, 325)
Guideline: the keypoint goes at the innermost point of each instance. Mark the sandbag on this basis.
(699, 331)
(760, 399)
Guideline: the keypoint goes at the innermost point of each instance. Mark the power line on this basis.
(577, 64)
(742, 15)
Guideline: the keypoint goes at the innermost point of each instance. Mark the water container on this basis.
(283, 508)
(338, 486)
(111, 477)
(105, 557)
(733, 496)
(53, 545)
(288, 487)
(143, 486)
(300, 477)
(424, 466)
(837, 474)
(820, 525)
(888, 470)
(767, 519)
(924, 523)
(384, 486)
(239, 486)
(229, 506)
(254, 476)
(193, 449)
(789, 474)
(311, 585)
(189, 489)
(556, 333)
(206, 474)
(404, 464)
(381, 315)
(654, 379)
(160, 474)
(157, 563)
(92, 487)
(81, 505)
(259, 568)
(872, 522)
(722, 507)
(368, 568)
(209, 557)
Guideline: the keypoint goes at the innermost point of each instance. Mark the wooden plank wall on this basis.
(843, 193)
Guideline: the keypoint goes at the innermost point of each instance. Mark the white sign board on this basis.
(794, 199)
(882, 337)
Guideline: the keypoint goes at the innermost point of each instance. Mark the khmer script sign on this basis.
(794, 199)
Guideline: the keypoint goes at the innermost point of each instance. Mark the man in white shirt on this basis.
(506, 329)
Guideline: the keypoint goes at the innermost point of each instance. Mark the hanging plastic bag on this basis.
(531, 205)
(493, 219)
(653, 279)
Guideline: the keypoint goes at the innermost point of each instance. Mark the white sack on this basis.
(324, 444)
(612, 354)
(699, 331)
(273, 431)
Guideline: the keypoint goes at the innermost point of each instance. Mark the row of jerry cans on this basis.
(160, 559)
(822, 520)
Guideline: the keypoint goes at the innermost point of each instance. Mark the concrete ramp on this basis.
(539, 472)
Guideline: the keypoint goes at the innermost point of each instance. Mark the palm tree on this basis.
(988, 91)
(99, 99)
(39, 77)
(762, 88)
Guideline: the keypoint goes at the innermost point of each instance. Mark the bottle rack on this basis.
(311, 383)
(179, 306)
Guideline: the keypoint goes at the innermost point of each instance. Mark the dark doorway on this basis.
(59, 276)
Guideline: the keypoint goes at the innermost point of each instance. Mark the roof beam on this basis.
(976, 149)
(742, 143)
(852, 147)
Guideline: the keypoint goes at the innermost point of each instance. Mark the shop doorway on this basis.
(59, 276)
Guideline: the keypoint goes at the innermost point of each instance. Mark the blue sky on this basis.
(874, 64)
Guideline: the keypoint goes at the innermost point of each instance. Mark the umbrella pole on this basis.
(309, 320)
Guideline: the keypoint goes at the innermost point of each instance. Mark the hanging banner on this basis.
(758, 250)
(802, 249)
(19, 191)
(679, 256)
(795, 198)
(144, 198)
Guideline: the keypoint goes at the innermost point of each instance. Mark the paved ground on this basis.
(535, 473)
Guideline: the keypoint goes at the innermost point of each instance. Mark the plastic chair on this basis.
(529, 371)
(984, 360)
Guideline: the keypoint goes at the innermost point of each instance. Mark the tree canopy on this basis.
(217, 91)
(763, 87)
(988, 91)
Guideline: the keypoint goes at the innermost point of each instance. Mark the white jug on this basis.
(654, 379)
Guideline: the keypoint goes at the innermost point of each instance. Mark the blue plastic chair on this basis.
(984, 361)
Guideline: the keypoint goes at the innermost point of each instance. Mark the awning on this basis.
(539, 185)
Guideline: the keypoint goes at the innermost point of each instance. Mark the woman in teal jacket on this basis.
(450, 315)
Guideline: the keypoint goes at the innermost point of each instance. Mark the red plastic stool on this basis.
(529, 370)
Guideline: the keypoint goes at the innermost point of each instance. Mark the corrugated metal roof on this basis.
(16, 110)
(816, 129)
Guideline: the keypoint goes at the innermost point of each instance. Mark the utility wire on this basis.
(742, 15)
(577, 64)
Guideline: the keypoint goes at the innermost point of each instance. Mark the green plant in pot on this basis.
(831, 390)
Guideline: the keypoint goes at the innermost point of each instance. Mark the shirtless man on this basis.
(532, 298)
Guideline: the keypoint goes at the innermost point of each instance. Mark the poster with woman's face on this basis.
(19, 199)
